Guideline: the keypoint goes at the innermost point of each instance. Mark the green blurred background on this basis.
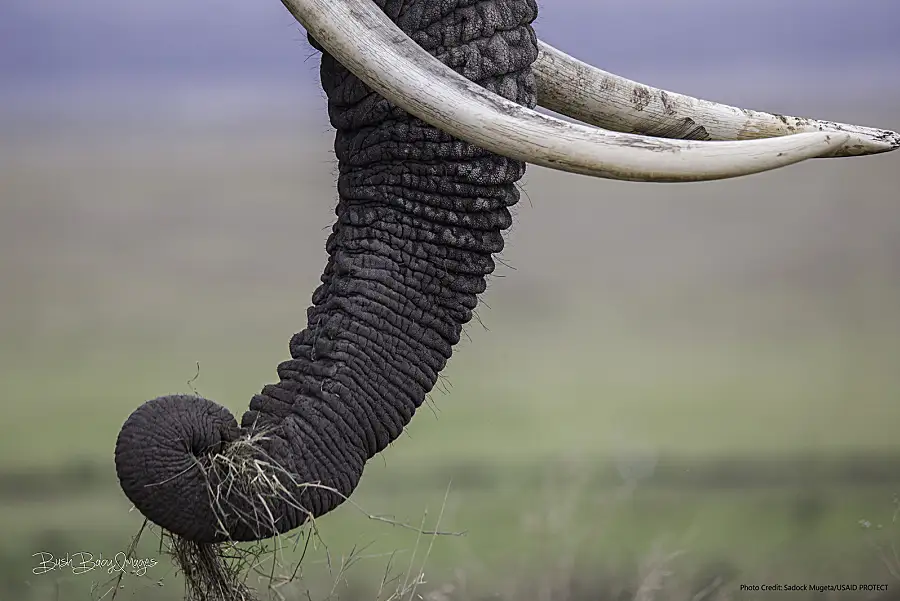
(670, 390)
(702, 370)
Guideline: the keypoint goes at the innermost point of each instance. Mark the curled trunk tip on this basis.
(176, 460)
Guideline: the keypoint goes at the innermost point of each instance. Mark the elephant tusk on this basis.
(584, 92)
(362, 37)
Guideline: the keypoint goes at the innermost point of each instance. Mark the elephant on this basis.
(433, 104)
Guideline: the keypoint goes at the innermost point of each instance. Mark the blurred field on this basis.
(706, 368)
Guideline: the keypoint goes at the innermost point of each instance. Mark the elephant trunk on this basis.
(419, 217)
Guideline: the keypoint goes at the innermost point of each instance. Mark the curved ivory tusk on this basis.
(370, 45)
(578, 90)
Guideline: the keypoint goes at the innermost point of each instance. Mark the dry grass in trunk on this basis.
(247, 487)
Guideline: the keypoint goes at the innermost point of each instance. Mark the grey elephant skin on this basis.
(419, 217)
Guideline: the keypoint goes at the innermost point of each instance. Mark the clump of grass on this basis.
(208, 573)
(245, 487)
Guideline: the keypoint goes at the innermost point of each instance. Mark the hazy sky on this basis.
(53, 49)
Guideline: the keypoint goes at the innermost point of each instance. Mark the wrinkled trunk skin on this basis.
(419, 217)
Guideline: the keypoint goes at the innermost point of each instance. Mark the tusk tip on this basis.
(866, 141)
(586, 93)
(890, 141)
